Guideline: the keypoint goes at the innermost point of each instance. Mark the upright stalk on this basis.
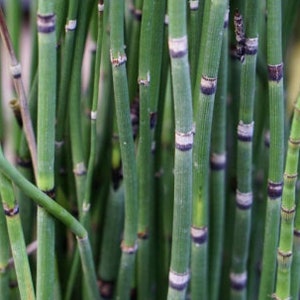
(16, 237)
(276, 100)
(45, 144)
(118, 60)
(295, 274)
(247, 49)
(288, 208)
(218, 173)
(178, 49)
(205, 89)
(144, 158)
(4, 257)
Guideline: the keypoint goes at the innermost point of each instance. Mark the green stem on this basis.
(17, 242)
(133, 51)
(208, 64)
(61, 214)
(144, 158)
(288, 208)
(45, 144)
(64, 85)
(244, 194)
(118, 59)
(4, 257)
(94, 108)
(276, 100)
(218, 170)
(178, 49)
(110, 249)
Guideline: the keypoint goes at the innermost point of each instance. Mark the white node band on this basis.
(238, 279)
(178, 46)
(245, 131)
(16, 70)
(244, 200)
(100, 7)
(119, 60)
(71, 25)
(79, 169)
(178, 281)
(184, 141)
(194, 4)
(93, 115)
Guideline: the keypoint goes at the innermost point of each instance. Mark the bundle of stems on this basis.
(143, 156)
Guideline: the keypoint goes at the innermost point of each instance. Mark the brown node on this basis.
(24, 163)
(275, 72)
(143, 235)
(11, 212)
(50, 193)
(106, 288)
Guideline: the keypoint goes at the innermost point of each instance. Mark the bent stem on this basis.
(61, 214)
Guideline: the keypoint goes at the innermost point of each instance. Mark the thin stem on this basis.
(94, 108)
(144, 158)
(17, 78)
(276, 99)
(118, 60)
(208, 64)
(248, 41)
(61, 214)
(4, 257)
(45, 144)
(110, 250)
(218, 173)
(288, 209)
(17, 242)
(182, 95)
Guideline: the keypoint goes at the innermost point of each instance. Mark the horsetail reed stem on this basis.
(17, 243)
(13, 10)
(248, 41)
(64, 85)
(45, 144)
(110, 250)
(15, 69)
(94, 108)
(4, 257)
(276, 115)
(77, 147)
(194, 30)
(204, 95)
(135, 15)
(217, 168)
(157, 50)
(288, 208)
(178, 50)
(144, 158)
(118, 60)
(59, 213)
(295, 274)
